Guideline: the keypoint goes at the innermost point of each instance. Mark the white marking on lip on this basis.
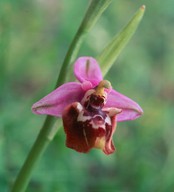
(108, 120)
(83, 118)
(97, 126)
(86, 96)
(79, 107)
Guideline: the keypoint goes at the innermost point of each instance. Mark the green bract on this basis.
(114, 48)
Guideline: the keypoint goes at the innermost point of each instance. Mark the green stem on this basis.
(48, 131)
(37, 150)
(93, 13)
(4, 43)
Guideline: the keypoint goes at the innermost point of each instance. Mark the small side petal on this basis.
(87, 69)
(55, 102)
(130, 109)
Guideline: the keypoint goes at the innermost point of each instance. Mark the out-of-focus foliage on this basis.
(35, 36)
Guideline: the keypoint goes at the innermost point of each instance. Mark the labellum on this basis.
(88, 124)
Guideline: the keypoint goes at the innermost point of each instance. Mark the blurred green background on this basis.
(35, 36)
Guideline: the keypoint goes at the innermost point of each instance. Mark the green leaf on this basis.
(114, 48)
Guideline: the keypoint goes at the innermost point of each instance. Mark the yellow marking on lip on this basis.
(100, 143)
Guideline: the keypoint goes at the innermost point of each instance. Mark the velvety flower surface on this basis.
(90, 108)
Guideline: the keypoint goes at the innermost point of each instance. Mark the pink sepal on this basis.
(55, 102)
(130, 109)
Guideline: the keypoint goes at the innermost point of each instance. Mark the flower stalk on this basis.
(48, 129)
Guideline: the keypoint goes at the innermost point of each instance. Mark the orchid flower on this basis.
(90, 108)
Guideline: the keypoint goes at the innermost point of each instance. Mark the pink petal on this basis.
(130, 109)
(87, 69)
(55, 102)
